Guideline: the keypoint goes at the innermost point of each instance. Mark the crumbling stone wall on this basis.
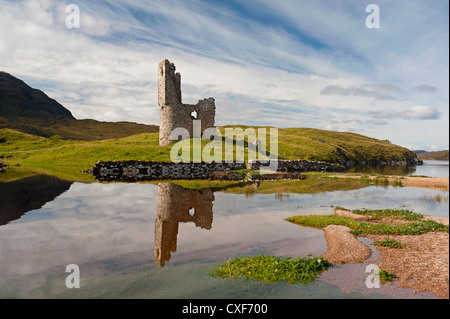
(297, 166)
(134, 171)
(175, 114)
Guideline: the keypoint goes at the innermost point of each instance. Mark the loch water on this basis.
(161, 240)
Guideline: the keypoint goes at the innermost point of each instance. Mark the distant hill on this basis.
(439, 155)
(32, 111)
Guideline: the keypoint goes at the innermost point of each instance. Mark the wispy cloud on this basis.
(426, 88)
(419, 112)
(301, 63)
(355, 91)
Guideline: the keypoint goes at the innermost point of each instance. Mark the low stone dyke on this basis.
(133, 171)
(404, 162)
(297, 166)
(275, 176)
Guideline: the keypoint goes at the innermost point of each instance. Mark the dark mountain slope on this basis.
(20, 101)
(31, 111)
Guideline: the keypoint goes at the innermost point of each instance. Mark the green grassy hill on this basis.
(336, 147)
(85, 130)
(68, 158)
(314, 144)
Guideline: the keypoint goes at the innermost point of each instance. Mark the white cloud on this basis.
(423, 112)
(93, 25)
(420, 112)
(259, 71)
(355, 91)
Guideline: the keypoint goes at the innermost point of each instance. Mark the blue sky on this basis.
(285, 63)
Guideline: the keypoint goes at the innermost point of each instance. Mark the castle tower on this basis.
(169, 85)
(175, 114)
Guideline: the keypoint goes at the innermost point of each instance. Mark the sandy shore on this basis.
(343, 247)
(422, 265)
(437, 183)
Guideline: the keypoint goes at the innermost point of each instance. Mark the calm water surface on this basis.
(162, 240)
(433, 169)
(430, 168)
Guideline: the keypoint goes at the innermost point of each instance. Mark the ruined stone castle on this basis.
(175, 114)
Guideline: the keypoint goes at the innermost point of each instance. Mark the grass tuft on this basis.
(377, 214)
(388, 242)
(271, 269)
(386, 275)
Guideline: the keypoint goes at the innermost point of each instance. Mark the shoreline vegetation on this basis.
(272, 269)
(413, 248)
(437, 183)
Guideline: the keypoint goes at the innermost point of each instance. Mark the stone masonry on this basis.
(298, 166)
(135, 171)
(175, 114)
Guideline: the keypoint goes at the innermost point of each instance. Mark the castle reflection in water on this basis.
(179, 205)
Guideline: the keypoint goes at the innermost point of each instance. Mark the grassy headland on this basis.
(67, 158)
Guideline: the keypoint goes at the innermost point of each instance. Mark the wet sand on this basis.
(423, 265)
(343, 247)
(437, 183)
